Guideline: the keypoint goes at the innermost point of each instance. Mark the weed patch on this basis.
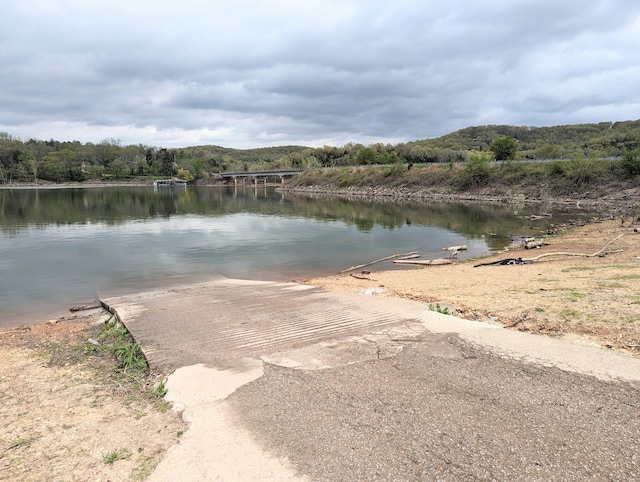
(23, 442)
(118, 454)
(571, 293)
(117, 341)
(578, 268)
(437, 308)
(570, 314)
(144, 469)
(610, 285)
(625, 277)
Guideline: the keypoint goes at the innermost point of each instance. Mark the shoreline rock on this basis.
(615, 205)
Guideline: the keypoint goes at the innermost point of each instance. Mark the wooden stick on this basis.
(424, 262)
(537, 258)
(73, 309)
(592, 255)
(377, 261)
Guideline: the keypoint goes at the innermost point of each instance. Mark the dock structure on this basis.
(260, 177)
(169, 183)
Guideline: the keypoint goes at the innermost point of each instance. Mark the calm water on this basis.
(64, 247)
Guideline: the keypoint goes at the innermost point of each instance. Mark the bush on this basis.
(630, 164)
(557, 168)
(476, 170)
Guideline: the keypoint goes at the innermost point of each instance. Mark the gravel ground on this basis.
(444, 410)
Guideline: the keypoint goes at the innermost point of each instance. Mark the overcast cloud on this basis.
(262, 73)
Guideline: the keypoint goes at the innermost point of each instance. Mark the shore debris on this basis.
(462, 247)
(353, 268)
(424, 262)
(602, 252)
(502, 262)
(74, 309)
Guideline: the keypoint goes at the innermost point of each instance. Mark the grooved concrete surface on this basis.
(227, 319)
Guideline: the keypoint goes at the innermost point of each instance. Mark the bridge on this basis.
(260, 176)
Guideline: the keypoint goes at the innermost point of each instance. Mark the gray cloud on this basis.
(255, 73)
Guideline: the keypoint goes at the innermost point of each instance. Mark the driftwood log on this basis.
(502, 262)
(532, 243)
(378, 261)
(509, 261)
(411, 256)
(74, 309)
(424, 262)
(462, 247)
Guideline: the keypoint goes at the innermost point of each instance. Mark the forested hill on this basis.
(587, 140)
(36, 160)
(221, 159)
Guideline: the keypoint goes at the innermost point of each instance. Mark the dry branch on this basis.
(424, 262)
(588, 255)
(377, 261)
(360, 277)
(73, 309)
(540, 256)
(522, 319)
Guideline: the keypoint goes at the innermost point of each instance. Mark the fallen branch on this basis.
(359, 277)
(522, 319)
(502, 262)
(411, 256)
(509, 261)
(424, 262)
(73, 309)
(592, 255)
(377, 261)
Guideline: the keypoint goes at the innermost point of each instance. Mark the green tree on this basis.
(185, 175)
(504, 148)
(118, 167)
(391, 157)
(365, 156)
(27, 158)
(50, 169)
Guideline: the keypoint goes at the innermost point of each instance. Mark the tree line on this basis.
(35, 160)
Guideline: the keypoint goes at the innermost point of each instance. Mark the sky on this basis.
(247, 74)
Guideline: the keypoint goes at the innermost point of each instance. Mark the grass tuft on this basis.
(118, 454)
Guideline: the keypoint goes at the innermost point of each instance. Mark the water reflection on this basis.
(61, 246)
(22, 208)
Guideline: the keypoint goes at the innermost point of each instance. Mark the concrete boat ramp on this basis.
(390, 390)
(229, 319)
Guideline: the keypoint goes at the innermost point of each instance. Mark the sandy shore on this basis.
(596, 297)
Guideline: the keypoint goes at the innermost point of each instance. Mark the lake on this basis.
(61, 247)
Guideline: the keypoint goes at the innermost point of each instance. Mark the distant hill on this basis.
(219, 158)
(576, 140)
(62, 161)
(602, 139)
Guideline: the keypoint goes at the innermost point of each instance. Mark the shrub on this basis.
(557, 168)
(630, 163)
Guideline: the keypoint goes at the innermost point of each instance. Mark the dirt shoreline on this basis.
(593, 297)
